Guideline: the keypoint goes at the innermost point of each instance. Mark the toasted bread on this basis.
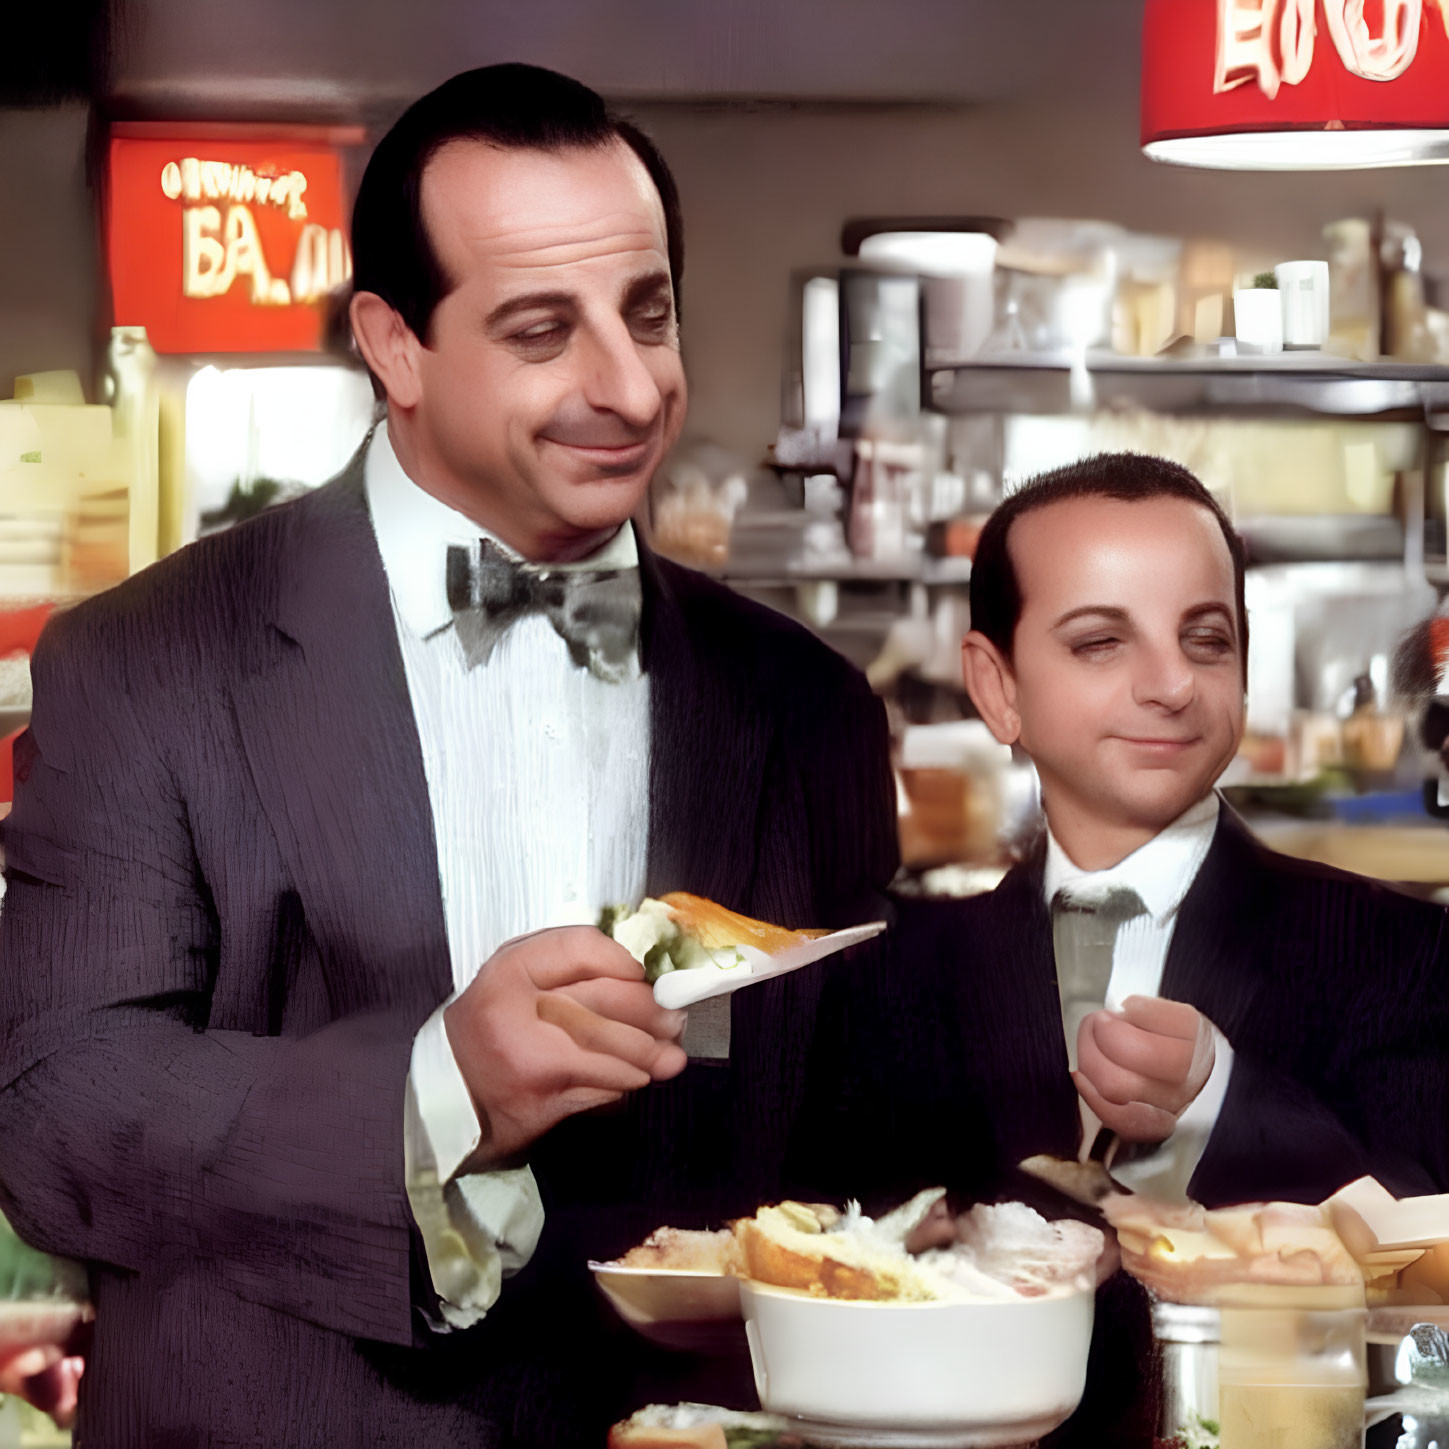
(632, 1436)
(781, 1249)
(715, 928)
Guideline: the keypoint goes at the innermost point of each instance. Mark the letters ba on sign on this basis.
(225, 245)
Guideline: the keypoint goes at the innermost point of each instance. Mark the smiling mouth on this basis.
(611, 459)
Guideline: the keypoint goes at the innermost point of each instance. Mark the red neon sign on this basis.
(224, 245)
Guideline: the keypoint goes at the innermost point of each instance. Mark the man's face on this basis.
(1126, 664)
(551, 386)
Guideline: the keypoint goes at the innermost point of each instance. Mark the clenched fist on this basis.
(553, 1024)
(1138, 1069)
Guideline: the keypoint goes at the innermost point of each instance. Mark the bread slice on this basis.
(786, 1246)
(715, 928)
(696, 1426)
(642, 1436)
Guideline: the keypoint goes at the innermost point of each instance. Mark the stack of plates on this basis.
(30, 554)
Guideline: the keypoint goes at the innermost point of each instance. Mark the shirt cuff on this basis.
(1166, 1172)
(478, 1228)
(445, 1105)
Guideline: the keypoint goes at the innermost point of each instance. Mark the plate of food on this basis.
(979, 1340)
(679, 1289)
(701, 1426)
(692, 949)
(915, 1330)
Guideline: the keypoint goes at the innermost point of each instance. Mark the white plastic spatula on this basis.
(677, 989)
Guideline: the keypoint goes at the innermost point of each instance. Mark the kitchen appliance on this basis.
(957, 272)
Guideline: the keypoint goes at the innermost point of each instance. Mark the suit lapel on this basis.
(1025, 1050)
(1211, 961)
(708, 748)
(328, 730)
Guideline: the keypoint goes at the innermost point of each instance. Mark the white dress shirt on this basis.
(1161, 872)
(538, 778)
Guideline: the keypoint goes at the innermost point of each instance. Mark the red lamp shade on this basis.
(1295, 85)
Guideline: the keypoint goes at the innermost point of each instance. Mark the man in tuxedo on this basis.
(301, 1024)
(1245, 1026)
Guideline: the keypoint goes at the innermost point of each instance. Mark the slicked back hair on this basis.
(996, 597)
(514, 107)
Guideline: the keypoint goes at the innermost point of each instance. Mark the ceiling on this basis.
(361, 57)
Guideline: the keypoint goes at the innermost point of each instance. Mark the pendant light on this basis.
(1295, 85)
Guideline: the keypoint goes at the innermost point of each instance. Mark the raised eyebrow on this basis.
(1106, 612)
(505, 312)
(646, 288)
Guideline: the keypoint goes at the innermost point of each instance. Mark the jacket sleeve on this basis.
(1352, 1075)
(1276, 1139)
(131, 1132)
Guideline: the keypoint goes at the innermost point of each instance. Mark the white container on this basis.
(1258, 320)
(924, 1375)
(1303, 287)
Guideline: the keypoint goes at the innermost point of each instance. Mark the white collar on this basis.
(414, 530)
(1161, 872)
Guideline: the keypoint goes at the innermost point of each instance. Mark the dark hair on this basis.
(516, 107)
(1129, 477)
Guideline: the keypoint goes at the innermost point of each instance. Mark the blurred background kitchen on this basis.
(926, 256)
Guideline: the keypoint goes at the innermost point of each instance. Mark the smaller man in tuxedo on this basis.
(1248, 1026)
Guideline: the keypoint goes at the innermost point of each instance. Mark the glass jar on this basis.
(1291, 1377)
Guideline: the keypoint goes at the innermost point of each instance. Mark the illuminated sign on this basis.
(1296, 83)
(1272, 41)
(224, 245)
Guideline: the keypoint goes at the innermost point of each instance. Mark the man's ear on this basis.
(389, 347)
(991, 685)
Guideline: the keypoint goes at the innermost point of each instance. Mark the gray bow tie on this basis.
(595, 613)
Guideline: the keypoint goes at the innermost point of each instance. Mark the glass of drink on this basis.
(1292, 1377)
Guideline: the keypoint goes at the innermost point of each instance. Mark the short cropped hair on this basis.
(996, 598)
(515, 107)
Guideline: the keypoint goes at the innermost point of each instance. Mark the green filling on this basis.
(658, 962)
(610, 916)
(752, 1438)
(669, 949)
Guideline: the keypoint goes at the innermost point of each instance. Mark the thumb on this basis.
(1204, 1055)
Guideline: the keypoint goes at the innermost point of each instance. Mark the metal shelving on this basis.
(857, 571)
(1292, 382)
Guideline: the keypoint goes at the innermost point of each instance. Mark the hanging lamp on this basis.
(1295, 85)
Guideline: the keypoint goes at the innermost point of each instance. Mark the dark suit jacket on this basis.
(224, 926)
(943, 1058)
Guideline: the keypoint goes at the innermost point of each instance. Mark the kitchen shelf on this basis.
(858, 571)
(1292, 382)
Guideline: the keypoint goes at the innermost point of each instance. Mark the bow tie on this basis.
(596, 613)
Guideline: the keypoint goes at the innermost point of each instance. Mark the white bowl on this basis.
(919, 1374)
